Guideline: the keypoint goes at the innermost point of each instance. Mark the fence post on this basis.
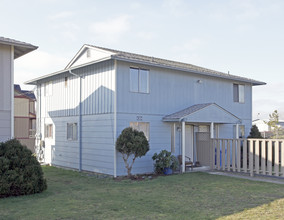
(239, 155)
(212, 154)
(228, 155)
(256, 158)
(263, 157)
(234, 155)
(276, 158)
(269, 158)
(282, 157)
(250, 157)
(223, 155)
(245, 156)
(218, 154)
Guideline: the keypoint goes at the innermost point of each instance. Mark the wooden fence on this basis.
(254, 156)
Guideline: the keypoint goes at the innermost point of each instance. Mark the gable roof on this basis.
(152, 61)
(27, 93)
(205, 113)
(20, 48)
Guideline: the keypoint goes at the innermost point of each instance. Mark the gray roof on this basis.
(20, 48)
(28, 93)
(180, 114)
(120, 55)
(163, 63)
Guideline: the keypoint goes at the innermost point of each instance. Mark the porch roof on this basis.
(203, 113)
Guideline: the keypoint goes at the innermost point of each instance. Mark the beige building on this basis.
(9, 51)
(24, 117)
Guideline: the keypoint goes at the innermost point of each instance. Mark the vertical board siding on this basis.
(97, 92)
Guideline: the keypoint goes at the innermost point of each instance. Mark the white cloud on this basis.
(112, 29)
(176, 7)
(36, 64)
(147, 35)
(61, 15)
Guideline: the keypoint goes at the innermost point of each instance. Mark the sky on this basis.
(242, 37)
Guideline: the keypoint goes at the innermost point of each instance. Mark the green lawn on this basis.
(73, 195)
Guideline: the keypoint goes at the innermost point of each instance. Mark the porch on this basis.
(197, 125)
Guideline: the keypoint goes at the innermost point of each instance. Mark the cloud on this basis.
(61, 15)
(176, 7)
(36, 64)
(111, 30)
(147, 35)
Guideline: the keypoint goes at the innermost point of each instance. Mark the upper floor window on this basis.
(139, 80)
(239, 93)
(141, 126)
(48, 88)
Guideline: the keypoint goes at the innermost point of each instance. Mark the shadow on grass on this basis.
(73, 195)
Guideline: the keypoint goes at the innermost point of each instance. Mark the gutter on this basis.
(80, 119)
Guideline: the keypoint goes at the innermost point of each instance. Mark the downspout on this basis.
(12, 92)
(80, 119)
(115, 120)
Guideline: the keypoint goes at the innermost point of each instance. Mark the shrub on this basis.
(20, 172)
(131, 143)
(164, 160)
(254, 132)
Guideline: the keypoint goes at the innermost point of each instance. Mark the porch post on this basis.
(183, 145)
(237, 131)
(212, 130)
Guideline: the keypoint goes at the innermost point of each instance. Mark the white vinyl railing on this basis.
(254, 156)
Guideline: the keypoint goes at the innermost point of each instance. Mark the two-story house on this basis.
(9, 50)
(24, 116)
(83, 109)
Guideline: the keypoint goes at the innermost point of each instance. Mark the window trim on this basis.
(137, 122)
(138, 83)
(48, 132)
(72, 124)
(237, 93)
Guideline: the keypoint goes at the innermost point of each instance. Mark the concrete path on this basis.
(277, 180)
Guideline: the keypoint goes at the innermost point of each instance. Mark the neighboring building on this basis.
(24, 116)
(264, 128)
(83, 109)
(9, 50)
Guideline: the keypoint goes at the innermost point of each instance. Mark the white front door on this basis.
(189, 142)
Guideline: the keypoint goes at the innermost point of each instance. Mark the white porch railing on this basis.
(254, 156)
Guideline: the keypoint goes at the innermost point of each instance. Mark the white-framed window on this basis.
(239, 93)
(48, 131)
(139, 80)
(72, 131)
(142, 126)
(48, 88)
(241, 131)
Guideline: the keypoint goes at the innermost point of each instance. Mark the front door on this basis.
(189, 142)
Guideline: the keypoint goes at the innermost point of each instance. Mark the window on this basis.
(66, 82)
(141, 126)
(48, 131)
(239, 93)
(48, 88)
(139, 80)
(241, 131)
(72, 131)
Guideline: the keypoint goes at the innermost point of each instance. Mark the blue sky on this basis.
(244, 37)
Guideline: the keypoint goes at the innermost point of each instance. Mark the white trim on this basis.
(237, 131)
(12, 91)
(115, 120)
(183, 145)
(212, 130)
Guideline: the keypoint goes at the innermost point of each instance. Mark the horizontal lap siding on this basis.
(160, 138)
(97, 143)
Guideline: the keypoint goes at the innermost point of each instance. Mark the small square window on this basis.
(139, 80)
(72, 129)
(239, 93)
(141, 126)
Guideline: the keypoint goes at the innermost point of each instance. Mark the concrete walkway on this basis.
(260, 178)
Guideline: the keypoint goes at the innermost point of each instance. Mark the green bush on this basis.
(20, 172)
(131, 144)
(164, 160)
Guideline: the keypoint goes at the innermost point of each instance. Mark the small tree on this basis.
(254, 132)
(131, 144)
(274, 124)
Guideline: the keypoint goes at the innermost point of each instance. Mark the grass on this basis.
(73, 195)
